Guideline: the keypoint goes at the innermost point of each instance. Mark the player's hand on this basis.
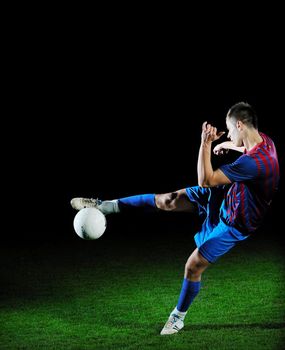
(209, 133)
(221, 148)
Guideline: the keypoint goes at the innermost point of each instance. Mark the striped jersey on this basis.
(255, 178)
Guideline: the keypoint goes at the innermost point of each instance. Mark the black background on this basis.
(119, 112)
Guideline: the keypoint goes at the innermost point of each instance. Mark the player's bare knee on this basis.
(166, 201)
(192, 269)
(159, 202)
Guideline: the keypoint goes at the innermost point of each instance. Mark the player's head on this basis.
(240, 118)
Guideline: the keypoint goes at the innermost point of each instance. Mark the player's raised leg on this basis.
(172, 201)
(194, 268)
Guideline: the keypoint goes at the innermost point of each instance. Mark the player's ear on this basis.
(239, 125)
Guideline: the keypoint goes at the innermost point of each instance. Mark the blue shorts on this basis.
(215, 237)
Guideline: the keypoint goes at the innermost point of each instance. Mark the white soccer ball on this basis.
(89, 223)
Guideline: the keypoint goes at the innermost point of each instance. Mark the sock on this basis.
(188, 293)
(178, 313)
(145, 201)
(109, 207)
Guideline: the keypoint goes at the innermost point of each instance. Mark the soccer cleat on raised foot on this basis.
(80, 203)
(173, 325)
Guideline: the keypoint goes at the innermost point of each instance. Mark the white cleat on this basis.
(173, 325)
(80, 203)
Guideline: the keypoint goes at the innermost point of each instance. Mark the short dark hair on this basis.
(244, 112)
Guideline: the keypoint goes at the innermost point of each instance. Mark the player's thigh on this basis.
(175, 201)
(183, 202)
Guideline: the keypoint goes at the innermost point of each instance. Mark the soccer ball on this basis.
(89, 223)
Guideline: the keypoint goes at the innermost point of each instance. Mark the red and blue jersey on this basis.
(255, 178)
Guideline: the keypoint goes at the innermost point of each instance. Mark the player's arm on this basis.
(224, 147)
(207, 177)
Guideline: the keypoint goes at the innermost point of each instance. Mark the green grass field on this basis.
(116, 293)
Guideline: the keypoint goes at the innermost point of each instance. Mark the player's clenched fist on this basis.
(209, 133)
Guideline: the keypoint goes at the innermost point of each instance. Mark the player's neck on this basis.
(252, 139)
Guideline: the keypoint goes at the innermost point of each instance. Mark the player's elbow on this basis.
(203, 184)
(208, 181)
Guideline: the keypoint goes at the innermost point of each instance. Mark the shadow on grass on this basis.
(277, 325)
(218, 327)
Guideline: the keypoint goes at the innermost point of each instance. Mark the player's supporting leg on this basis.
(173, 201)
(194, 268)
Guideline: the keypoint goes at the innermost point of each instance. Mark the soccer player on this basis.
(232, 199)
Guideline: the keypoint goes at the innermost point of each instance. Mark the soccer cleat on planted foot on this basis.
(173, 325)
(80, 203)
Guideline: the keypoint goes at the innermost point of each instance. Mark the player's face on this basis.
(234, 133)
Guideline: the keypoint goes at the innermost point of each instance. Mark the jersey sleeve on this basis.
(242, 169)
